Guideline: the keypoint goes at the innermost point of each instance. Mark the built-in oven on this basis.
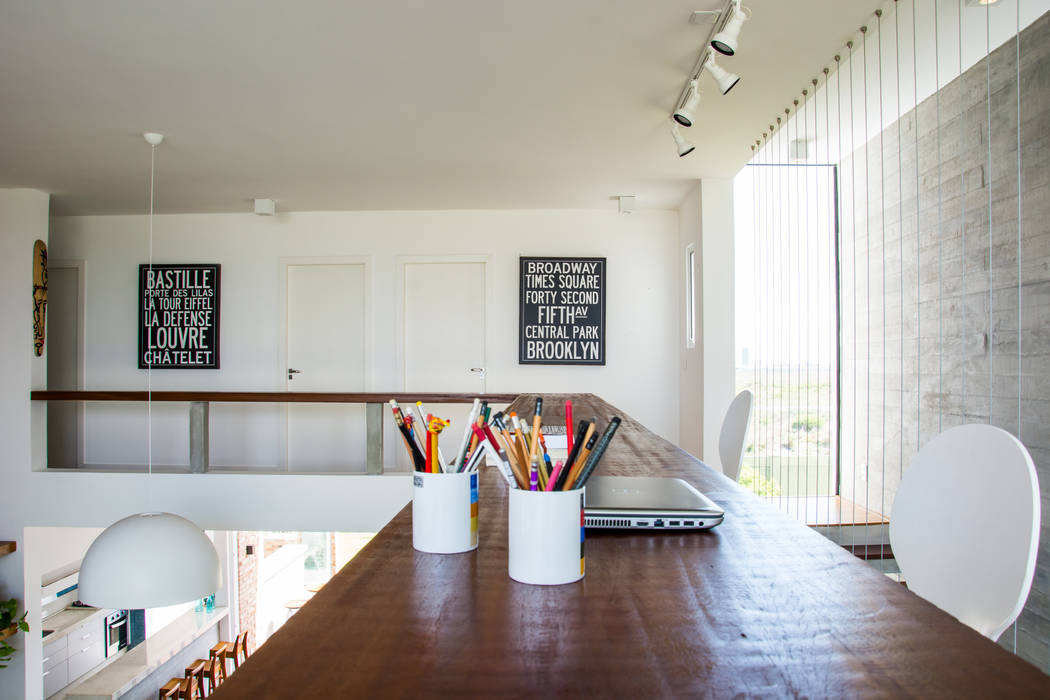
(116, 631)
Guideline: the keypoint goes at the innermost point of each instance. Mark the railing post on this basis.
(374, 438)
(199, 436)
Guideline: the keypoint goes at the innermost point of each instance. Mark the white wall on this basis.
(691, 388)
(708, 370)
(642, 321)
(718, 319)
(23, 220)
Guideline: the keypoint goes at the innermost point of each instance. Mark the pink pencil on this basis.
(568, 424)
(554, 476)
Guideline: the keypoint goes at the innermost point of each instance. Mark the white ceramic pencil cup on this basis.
(545, 536)
(445, 512)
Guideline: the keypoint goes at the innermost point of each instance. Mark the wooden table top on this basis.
(759, 606)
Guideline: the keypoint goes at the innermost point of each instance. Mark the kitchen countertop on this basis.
(62, 622)
(130, 669)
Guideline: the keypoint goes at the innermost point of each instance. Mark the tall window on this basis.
(786, 331)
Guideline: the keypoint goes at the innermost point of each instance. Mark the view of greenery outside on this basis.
(789, 450)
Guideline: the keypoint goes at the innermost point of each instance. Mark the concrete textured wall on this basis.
(952, 325)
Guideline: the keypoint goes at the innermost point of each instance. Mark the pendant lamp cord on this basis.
(149, 361)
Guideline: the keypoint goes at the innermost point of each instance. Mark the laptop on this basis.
(647, 503)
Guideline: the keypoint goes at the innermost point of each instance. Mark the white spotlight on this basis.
(686, 114)
(726, 41)
(684, 147)
(724, 78)
(627, 203)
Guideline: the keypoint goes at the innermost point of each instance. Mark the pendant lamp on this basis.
(149, 560)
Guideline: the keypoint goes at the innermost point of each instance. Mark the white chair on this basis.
(965, 525)
(734, 433)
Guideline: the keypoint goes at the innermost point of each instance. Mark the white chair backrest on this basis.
(965, 525)
(734, 433)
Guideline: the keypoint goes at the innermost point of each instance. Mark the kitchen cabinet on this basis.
(74, 652)
(56, 670)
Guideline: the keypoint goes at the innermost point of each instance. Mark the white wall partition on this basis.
(642, 312)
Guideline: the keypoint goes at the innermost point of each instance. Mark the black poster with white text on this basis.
(179, 316)
(562, 311)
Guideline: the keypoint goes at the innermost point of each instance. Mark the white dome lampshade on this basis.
(149, 560)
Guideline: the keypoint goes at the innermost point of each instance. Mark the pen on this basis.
(461, 453)
(597, 453)
(533, 478)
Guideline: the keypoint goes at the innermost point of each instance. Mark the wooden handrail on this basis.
(266, 396)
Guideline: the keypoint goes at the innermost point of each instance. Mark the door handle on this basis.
(480, 371)
(293, 371)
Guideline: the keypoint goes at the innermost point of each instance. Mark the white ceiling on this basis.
(387, 104)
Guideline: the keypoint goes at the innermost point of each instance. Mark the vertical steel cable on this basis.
(853, 227)
(755, 228)
(838, 287)
(940, 201)
(771, 299)
(804, 251)
(882, 218)
(867, 281)
(796, 357)
(918, 235)
(784, 308)
(821, 211)
(830, 291)
(900, 224)
(964, 334)
(1020, 219)
(988, 187)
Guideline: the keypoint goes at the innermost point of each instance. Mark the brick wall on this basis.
(248, 582)
(933, 317)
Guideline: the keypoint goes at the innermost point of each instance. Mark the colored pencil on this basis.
(537, 420)
(581, 459)
(568, 425)
(553, 481)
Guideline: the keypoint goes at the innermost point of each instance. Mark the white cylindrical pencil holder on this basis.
(445, 512)
(545, 536)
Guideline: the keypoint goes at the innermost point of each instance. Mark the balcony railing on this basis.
(200, 402)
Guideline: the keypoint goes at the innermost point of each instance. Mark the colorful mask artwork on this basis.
(39, 296)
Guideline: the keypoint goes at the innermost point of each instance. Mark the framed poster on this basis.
(561, 317)
(179, 316)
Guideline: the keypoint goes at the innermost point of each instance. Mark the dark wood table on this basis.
(759, 606)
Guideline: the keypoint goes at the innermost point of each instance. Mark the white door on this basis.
(326, 352)
(444, 337)
(62, 343)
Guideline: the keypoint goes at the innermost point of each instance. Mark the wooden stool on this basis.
(220, 653)
(314, 588)
(293, 606)
(240, 649)
(215, 674)
(188, 688)
(196, 671)
(170, 690)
